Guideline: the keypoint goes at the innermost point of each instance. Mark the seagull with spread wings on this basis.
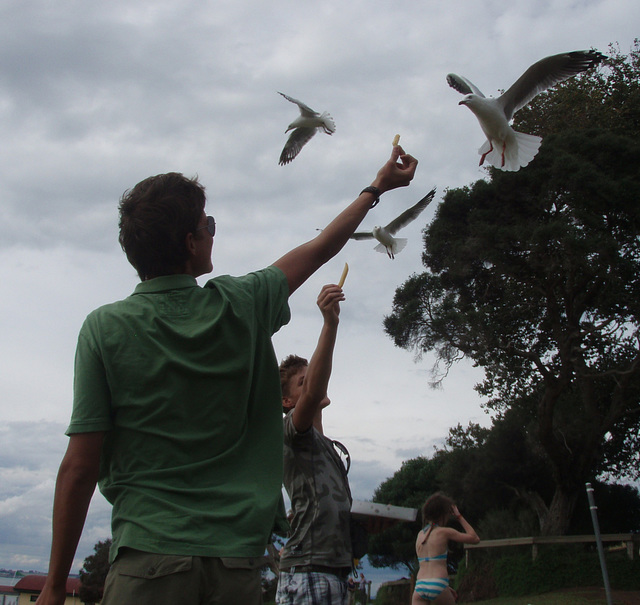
(389, 244)
(304, 127)
(505, 148)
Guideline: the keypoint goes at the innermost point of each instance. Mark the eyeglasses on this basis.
(210, 226)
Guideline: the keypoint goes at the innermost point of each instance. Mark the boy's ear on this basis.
(287, 403)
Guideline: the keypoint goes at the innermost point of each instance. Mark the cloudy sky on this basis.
(96, 96)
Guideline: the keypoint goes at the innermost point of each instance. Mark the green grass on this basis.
(578, 596)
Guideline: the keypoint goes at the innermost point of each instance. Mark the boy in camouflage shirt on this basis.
(317, 558)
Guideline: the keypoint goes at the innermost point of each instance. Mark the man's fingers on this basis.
(396, 152)
(408, 160)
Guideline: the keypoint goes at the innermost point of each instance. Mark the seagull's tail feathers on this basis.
(527, 148)
(519, 151)
(328, 124)
(398, 245)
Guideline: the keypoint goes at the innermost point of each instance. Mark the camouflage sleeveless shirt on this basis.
(316, 480)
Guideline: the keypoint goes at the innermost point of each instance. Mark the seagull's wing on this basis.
(305, 110)
(361, 235)
(410, 215)
(462, 85)
(296, 141)
(546, 73)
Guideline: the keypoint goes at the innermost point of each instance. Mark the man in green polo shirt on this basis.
(177, 405)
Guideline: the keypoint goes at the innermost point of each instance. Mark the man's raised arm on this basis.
(303, 261)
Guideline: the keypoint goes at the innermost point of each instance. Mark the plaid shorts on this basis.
(311, 588)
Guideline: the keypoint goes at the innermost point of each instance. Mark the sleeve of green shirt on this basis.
(91, 391)
(267, 290)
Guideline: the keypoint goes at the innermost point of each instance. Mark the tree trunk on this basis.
(558, 516)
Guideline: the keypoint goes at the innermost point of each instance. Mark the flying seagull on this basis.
(505, 148)
(389, 244)
(304, 127)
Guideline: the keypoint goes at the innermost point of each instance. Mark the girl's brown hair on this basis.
(437, 508)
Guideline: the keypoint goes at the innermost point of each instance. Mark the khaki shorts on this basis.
(141, 578)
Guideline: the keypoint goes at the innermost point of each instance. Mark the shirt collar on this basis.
(166, 282)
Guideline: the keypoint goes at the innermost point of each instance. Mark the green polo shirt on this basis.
(185, 382)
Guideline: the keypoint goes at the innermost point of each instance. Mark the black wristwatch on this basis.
(375, 191)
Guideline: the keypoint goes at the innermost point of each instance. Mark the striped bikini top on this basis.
(442, 557)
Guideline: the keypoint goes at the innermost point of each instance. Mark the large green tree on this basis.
(535, 276)
(500, 473)
(492, 473)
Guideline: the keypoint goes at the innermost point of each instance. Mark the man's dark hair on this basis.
(155, 218)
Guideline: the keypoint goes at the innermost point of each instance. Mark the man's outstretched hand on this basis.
(397, 172)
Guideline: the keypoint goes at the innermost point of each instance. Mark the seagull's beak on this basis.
(463, 102)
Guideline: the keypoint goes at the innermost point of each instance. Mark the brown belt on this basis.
(341, 572)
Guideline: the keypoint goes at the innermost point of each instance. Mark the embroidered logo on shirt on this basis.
(173, 304)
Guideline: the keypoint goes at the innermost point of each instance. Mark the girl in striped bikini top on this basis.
(427, 530)
(432, 582)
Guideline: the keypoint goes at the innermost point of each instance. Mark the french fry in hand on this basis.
(344, 275)
(396, 140)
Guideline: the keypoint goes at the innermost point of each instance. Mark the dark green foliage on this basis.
(94, 572)
(475, 583)
(513, 522)
(555, 568)
(618, 510)
(519, 576)
(479, 470)
(396, 593)
(505, 472)
(609, 97)
(410, 486)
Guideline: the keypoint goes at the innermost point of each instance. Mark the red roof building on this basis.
(8, 595)
(34, 584)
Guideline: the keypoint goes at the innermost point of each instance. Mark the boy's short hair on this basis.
(289, 367)
(155, 218)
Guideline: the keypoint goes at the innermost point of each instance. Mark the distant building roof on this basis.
(36, 584)
(6, 589)
(399, 582)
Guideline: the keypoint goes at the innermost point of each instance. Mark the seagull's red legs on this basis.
(484, 155)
